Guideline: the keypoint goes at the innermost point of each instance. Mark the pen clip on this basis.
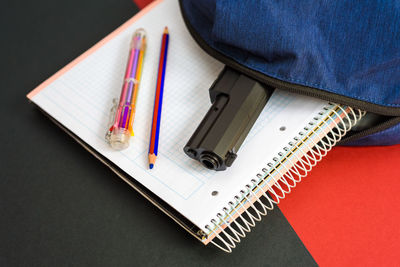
(111, 119)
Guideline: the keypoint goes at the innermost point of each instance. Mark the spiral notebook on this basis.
(291, 135)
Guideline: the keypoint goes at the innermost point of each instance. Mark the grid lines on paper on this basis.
(86, 91)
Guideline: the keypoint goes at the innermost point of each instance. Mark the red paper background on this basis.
(142, 3)
(347, 211)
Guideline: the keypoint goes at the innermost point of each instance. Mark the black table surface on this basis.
(59, 206)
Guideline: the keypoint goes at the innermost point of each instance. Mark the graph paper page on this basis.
(81, 99)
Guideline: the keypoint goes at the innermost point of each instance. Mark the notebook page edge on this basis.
(37, 95)
(91, 50)
(175, 215)
(126, 26)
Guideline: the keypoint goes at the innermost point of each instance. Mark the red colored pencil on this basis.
(155, 127)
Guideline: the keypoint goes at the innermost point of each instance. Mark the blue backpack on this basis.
(346, 52)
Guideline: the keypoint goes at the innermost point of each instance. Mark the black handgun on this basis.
(237, 101)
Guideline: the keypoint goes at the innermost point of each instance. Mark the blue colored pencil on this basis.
(155, 127)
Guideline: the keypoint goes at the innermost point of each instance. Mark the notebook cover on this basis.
(150, 196)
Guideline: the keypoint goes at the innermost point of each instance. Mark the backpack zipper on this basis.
(301, 89)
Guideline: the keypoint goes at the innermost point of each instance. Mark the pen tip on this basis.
(166, 29)
(151, 166)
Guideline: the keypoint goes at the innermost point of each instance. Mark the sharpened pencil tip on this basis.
(165, 30)
(152, 160)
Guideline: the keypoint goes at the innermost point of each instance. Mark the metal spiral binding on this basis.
(229, 230)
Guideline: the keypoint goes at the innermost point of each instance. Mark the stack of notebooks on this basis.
(291, 135)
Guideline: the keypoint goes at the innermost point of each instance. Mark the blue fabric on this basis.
(350, 48)
(387, 137)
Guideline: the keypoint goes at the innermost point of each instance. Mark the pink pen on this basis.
(121, 130)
